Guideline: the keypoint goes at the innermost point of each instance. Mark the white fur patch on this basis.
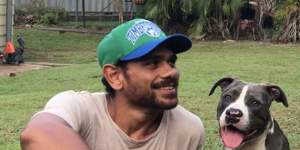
(271, 130)
(238, 104)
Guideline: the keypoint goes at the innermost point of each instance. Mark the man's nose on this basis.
(169, 70)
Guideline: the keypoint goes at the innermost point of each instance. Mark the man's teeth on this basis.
(167, 88)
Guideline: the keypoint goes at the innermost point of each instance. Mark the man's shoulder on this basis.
(76, 100)
(185, 119)
(74, 96)
(75, 107)
(78, 93)
(184, 114)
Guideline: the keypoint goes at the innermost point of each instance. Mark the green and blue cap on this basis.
(136, 38)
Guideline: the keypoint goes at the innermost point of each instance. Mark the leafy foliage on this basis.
(41, 15)
(195, 16)
(28, 92)
(287, 21)
(221, 18)
(173, 15)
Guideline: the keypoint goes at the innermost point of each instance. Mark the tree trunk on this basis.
(291, 31)
(118, 5)
(138, 2)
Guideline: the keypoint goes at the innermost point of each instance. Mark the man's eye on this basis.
(172, 61)
(152, 63)
(172, 64)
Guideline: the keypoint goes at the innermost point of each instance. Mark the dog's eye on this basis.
(255, 102)
(227, 98)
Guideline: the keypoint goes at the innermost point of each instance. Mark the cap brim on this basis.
(176, 42)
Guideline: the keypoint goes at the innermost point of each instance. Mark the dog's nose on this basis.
(233, 115)
(234, 112)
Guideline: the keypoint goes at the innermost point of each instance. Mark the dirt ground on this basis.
(12, 70)
(6, 69)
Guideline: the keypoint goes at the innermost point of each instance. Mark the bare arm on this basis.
(49, 132)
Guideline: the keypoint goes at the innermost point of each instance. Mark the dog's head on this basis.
(243, 109)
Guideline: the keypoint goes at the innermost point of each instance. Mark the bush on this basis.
(283, 19)
(41, 15)
(52, 16)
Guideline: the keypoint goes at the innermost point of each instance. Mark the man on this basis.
(139, 110)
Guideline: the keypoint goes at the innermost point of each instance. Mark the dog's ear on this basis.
(277, 94)
(223, 83)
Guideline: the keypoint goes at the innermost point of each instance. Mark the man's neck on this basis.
(136, 122)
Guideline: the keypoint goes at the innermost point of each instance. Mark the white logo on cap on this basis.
(140, 28)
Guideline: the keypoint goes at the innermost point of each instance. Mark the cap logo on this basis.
(140, 28)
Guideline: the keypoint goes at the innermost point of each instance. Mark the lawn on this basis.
(206, 62)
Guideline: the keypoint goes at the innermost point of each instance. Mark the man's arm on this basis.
(49, 132)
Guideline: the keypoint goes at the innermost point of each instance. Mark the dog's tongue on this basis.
(231, 138)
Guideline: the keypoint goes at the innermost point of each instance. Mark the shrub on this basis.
(41, 15)
(52, 16)
(286, 14)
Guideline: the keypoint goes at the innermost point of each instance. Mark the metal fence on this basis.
(2, 24)
(6, 22)
(70, 5)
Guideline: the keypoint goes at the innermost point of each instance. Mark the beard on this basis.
(152, 96)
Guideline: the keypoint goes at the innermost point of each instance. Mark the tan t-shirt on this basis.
(87, 114)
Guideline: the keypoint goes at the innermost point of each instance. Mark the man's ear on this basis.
(112, 74)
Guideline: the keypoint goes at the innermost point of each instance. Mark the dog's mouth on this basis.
(233, 137)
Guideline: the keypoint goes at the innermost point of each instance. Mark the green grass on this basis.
(250, 61)
(100, 25)
(206, 62)
(59, 47)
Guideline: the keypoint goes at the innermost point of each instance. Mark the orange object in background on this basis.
(9, 48)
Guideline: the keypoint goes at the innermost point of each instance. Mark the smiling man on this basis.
(139, 109)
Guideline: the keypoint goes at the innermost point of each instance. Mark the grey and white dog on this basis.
(245, 121)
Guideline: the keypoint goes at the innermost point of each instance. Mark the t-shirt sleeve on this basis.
(68, 105)
(198, 133)
(191, 131)
(202, 136)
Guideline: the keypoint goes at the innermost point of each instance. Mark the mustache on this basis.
(173, 82)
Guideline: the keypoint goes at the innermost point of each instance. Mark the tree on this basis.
(288, 21)
(172, 15)
(219, 17)
(194, 17)
(224, 18)
(118, 5)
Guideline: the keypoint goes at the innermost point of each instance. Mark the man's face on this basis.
(152, 80)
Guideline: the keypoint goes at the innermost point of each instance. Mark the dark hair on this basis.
(108, 88)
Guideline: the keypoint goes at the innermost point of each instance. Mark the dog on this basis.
(245, 121)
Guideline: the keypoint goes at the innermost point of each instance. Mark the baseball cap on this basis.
(136, 38)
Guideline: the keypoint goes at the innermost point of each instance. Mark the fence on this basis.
(2, 23)
(70, 5)
(6, 22)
